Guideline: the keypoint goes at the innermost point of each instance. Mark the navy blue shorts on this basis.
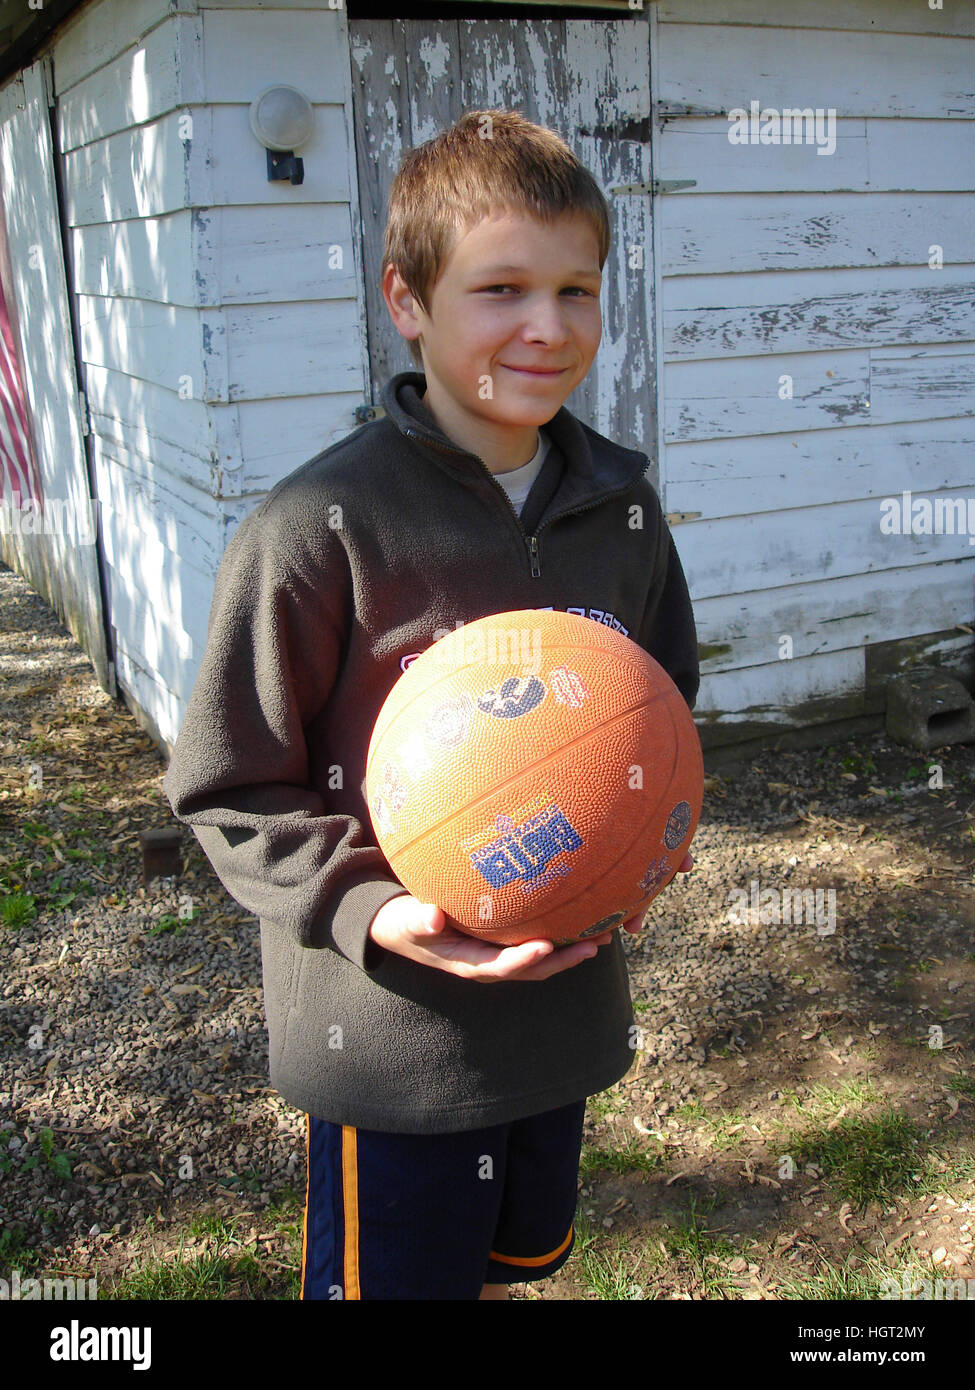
(437, 1216)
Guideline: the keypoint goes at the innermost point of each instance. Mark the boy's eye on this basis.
(490, 289)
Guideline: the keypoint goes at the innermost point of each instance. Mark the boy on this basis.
(445, 1079)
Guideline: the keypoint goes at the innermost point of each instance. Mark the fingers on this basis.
(562, 958)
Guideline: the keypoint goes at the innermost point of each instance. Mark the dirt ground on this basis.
(798, 1122)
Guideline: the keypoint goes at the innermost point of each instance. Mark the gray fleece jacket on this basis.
(352, 565)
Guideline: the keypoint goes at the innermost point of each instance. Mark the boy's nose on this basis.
(545, 319)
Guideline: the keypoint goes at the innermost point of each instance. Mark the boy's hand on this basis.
(635, 924)
(421, 932)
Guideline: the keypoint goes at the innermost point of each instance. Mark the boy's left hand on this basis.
(635, 924)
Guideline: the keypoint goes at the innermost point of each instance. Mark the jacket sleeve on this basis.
(668, 631)
(239, 774)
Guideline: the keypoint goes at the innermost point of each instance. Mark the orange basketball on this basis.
(536, 775)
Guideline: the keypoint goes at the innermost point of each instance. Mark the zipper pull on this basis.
(533, 546)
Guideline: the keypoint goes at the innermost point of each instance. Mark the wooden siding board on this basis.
(920, 155)
(293, 349)
(739, 395)
(244, 352)
(871, 154)
(737, 232)
(145, 498)
(97, 34)
(278, 436)
(141, 258)
(922, 384)
(152, 422)
(783, 694)
(155, 707)
(157, 343)
(758, 473)
(244, 51)
(774, 320)
(280, 253)
(865, 74)
(162, 648)
(142, 563)
(895, 16)
(741, 554)
(831, 615)
(140, 85)
(140, 172)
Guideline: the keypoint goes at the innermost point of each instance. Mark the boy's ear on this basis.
(403, 308)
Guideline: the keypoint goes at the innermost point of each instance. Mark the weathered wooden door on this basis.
(588, 80)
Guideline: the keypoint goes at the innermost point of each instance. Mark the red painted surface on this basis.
(19, 478)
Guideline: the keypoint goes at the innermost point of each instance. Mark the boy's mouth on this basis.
(536, 371)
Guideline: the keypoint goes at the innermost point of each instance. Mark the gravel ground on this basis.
(133, 1050)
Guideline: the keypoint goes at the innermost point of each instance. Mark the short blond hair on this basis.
(488, 162)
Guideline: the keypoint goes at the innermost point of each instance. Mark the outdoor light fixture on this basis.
(283, 120)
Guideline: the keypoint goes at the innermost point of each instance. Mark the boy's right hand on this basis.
(421, 932)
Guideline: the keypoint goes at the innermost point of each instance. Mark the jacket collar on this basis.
(594, 466)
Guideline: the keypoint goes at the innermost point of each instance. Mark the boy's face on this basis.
(513, 329)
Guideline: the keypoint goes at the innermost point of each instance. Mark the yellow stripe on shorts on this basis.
(534, 1260)
(350, 1194)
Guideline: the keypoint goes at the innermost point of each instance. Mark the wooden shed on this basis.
(789, 307)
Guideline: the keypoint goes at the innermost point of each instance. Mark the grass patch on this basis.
(863, 1158)
(17, 909)
(220, 1264)
(631, 1157)
(701, 1253)
(14, 1253)
(607, 1265)
(726, 1126)
(819, 1104)
(869, 1278)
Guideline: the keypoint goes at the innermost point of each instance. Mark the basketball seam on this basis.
(525, 769)
(378, 735)
(567, 904)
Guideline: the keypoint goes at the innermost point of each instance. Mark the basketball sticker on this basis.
(449, 721)
(414, 756)
(515, 696)
(678, 824)
(523, 851)
(656, 870)
(568, 686)
(391, 788)
(602, 925)
(381, 813)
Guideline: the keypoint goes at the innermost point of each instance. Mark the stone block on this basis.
(928, 709)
